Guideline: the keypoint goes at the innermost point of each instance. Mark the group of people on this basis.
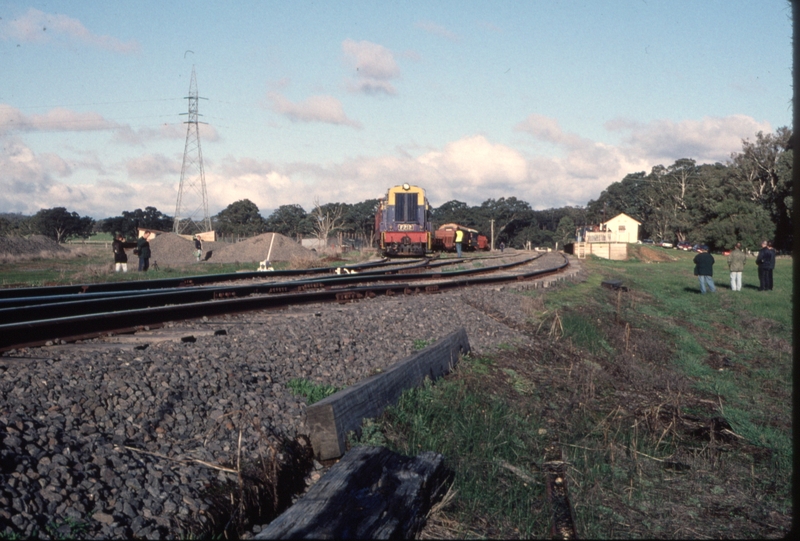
(765, 260)
(141, 248)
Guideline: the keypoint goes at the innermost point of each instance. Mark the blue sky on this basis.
(546, 101)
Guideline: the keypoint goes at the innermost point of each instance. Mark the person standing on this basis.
(143, 249)
(120, 257)
(736, 266)
(459, 240)
(704, 269)
(766, 263)
(198, 248)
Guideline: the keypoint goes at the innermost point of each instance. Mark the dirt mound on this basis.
(645, 253)
(171, 250)
(13, 247)
(257, 248)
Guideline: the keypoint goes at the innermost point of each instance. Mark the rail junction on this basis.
(39, 316)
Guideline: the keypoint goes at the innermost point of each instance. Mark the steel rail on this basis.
(25, 308)
(186, 281)
(79, 327)
(33, 308)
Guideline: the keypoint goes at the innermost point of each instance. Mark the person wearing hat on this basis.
(704, 269)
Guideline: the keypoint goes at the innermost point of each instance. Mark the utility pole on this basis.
(492, 233)
(192, 204)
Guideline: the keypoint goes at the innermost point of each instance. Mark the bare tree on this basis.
(326, 219)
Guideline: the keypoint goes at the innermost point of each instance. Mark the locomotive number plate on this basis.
(405, 227)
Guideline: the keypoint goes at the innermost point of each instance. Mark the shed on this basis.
(623, 228)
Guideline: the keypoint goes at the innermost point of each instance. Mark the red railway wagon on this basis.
(444, 238)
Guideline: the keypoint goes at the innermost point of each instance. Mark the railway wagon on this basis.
(402, 222)
(444, 239)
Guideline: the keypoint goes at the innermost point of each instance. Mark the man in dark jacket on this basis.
(766, 263)
(704, 269)
(143, 247)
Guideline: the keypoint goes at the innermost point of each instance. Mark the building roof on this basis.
(626, 216)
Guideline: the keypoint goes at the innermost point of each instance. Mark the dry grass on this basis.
(303, 262)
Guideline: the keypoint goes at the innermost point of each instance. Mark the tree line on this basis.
(748, 199)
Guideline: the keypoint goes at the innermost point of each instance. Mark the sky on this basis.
(315, 102)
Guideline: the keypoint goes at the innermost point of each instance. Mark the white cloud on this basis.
(153, 166)
(708, 140)
(55, 120)
(326, 109)
(39, 27)
(375, 67)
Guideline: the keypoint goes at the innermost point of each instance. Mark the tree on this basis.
(509, 215)
(565, 233)
(625, 196)
(14, 223)
(761, 169)
(130, 221)
(359, 220)
(737, 221)
(289, 220)
(326, 219)
(453, 211)
(60, 224)
(240, 218)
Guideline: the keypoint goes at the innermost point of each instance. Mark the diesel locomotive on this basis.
(403, 222)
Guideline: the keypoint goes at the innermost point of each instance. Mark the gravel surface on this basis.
(107, 441)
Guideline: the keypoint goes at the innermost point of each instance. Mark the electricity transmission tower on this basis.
(191, 210)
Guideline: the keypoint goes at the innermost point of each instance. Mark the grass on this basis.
(312, 392)
(672, 410)
(92, 264)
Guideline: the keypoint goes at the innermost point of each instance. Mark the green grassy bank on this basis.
(672, 410)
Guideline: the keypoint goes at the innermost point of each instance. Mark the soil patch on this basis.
(645, 253)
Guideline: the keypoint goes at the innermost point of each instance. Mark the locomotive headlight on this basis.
(406, 186)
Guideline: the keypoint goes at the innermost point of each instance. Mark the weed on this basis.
(421, 344)
(313, 392)
(371, 434)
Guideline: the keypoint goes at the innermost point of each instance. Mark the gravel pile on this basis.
(257, 248)
(171, 250)
(111, 443)
(33, 246)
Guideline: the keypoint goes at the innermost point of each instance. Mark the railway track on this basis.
(39, 316)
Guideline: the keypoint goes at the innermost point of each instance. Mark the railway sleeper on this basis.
(349, 296)
(278, 290)
(306, 287)
(563, 521)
